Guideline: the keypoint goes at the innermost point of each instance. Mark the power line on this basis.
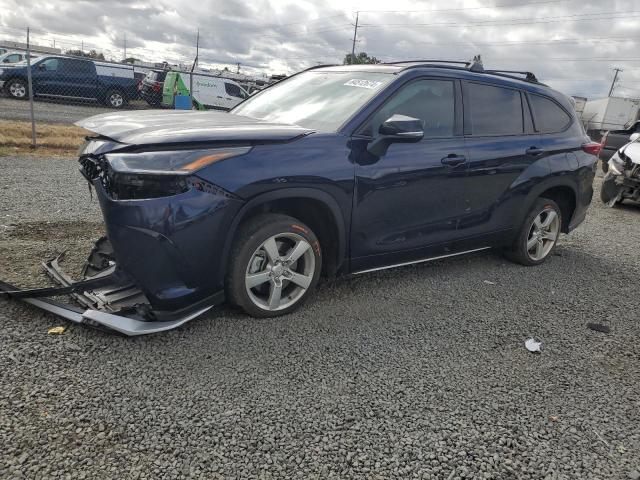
(508, 5)
(515, 21)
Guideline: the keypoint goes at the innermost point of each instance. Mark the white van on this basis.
(209, 91)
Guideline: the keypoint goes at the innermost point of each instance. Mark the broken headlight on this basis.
(128, 176)
(617, 163)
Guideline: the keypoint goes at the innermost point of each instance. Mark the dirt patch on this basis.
(56, 140)
(24, 246)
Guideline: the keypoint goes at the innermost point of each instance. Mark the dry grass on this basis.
(56, 140)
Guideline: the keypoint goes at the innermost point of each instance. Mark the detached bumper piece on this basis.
(108, 298)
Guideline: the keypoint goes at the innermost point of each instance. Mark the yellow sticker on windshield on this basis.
(370, 84)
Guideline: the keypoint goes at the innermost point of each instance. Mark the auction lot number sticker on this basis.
(370, 84)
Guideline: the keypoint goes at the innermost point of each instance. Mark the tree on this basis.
(131, 60)
(90, 54)
(360, 58)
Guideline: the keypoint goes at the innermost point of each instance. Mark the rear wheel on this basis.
(115, 99)
(17, 89)
(275, 265)
(538, 235)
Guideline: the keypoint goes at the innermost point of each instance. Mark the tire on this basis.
(18, 89)
(259, 257)
(114, 98)
(610, 192)
(536, 239)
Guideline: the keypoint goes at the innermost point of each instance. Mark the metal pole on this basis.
(195, 62)
(355, 35)
(125, 48)
(615, 78)
(30, 87)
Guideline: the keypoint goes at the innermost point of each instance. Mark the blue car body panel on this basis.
(403, 206)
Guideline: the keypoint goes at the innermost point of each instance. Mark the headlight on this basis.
(178, 162)
(616, 164)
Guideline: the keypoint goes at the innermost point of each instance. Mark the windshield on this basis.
(319, 100)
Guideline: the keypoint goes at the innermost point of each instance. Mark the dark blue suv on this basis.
(338, 169)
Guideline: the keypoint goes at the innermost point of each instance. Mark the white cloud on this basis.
(572, 44)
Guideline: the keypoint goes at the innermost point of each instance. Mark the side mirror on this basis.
(41, 66)
(634, 137)
(396, 129)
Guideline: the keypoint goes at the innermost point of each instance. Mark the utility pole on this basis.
(615, 78)
(355, 36)
(238, 67)
(125, 47)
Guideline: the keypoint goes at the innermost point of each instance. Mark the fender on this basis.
(296, 192)
(537, 190)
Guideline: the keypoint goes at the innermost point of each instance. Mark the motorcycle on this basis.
(622, 180)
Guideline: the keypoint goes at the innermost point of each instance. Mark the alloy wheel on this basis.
(116, 100)
(280, 271)
(18, 90)
(543, 234)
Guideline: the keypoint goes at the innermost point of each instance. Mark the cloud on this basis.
(570, 44)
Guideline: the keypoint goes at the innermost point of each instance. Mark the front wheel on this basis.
(18, 89)
(538, 235)
(275, 265)
(610, 192)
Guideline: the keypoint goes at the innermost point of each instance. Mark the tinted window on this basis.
(549, 117)
(494, 110)
(429, 100)
(78, 66)
(13, 58)
(50, 64)
(233, 90)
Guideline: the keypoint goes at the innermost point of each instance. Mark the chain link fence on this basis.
(50, 87)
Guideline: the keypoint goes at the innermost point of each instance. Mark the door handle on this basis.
(454, 160)
(534, 151)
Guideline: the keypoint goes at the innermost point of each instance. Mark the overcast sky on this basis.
(570, 44)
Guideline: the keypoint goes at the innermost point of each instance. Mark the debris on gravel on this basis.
(417, 372)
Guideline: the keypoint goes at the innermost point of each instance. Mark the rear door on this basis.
(502, 143)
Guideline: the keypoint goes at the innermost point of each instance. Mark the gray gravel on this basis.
(419, 372)
(50, 111)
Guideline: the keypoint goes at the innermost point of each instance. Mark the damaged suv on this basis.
(338, 169)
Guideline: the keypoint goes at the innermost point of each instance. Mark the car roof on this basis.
(464, 70)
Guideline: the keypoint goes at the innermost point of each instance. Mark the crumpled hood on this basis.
(150, 127)
(632, 151)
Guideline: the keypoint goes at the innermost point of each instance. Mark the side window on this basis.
(233, 90)
(549, 117)
(432, 101)
(12, 58)
(77, 67)
(494, 110)
(50, 64)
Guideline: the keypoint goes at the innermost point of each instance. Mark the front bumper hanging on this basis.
(107, 297)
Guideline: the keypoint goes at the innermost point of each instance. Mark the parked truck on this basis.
(75, 78)
(612, 113)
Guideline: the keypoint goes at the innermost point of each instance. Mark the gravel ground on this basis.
(418, 372)
(51, 111)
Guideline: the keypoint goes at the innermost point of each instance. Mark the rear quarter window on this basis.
(548, 115)
(494, 110)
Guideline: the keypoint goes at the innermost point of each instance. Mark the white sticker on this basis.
(370, 84)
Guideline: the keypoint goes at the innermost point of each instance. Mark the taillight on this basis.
(592, 148)
(155, 87)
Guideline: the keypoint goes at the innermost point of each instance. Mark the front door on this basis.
(408, 201)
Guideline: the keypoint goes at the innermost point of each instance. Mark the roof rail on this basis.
(528, 76)
(454, 62)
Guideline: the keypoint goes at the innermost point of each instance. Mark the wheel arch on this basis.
(317, 209)
(560, 191)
